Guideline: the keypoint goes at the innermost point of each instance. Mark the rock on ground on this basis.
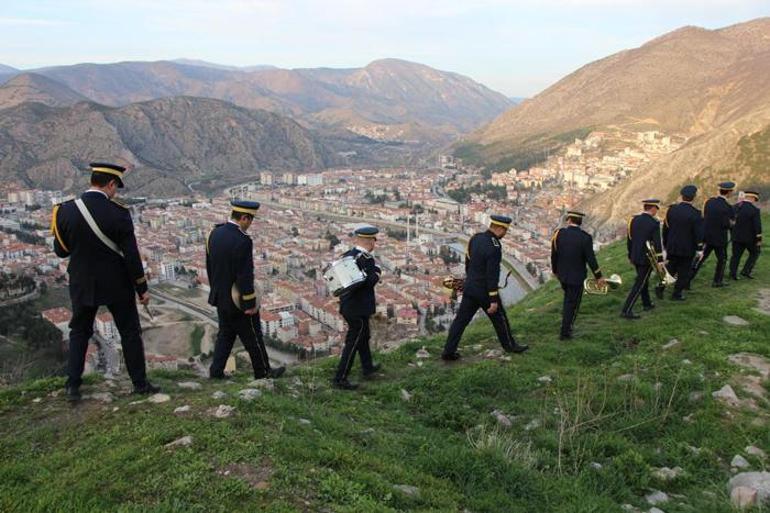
(667, 474)
(671, 343)
(752, 362)
(411, 491)
(223, 411)
(752, 450)
(185, 441)
(102, 397)
(734, 320)
(159, 398)
(726, 394)
(739, 461)
(249, 394)
(218, 395)
(759, 481)
(743, 497)
(405, 395)
(656, 497)
(502, 418)
(182, 409)
(263, 384)
(189, 385)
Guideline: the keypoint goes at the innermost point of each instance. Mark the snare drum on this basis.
(343, 274)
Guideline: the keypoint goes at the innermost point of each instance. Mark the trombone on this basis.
(664, 277)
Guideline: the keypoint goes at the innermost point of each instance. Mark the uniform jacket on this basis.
(683, 230)
(571, 249)
(642, 228)
(482, 267)
(229, 261)
(98, 275)
(358, 300)
(748, 223)
(718, 216)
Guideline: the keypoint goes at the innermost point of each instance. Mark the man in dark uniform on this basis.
(480, 290)
(357, 304)
(747, 235)
(642, 228)
(683, 239)
(229, 264)
(104, 269)
(718, 217)
(571, 250)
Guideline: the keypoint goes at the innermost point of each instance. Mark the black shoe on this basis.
(734, 277)
(146, 388)
(677, 298)
(649, 307)
(450, 357)
(630, 315)
(516, 348)
(277, 372)
(747, 276)
(565, 336)
(344, 384)
(719, 284)
(73, 393)
(368, 374)
(221, 377)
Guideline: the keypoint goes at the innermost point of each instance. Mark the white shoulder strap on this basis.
(95, 227)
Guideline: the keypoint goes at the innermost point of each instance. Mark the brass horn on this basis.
(454, 285)
(664, 277)
(591, 285)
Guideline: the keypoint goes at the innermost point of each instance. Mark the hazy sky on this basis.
(517, 47)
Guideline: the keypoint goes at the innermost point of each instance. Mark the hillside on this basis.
(580, 427)
(31, 87)
(422, 103)
(711, 87)
(171, 143)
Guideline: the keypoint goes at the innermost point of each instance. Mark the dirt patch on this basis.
(257, 477)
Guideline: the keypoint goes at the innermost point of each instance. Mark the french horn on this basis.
(591, 285)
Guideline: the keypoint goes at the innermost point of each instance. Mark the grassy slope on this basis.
(358, 445)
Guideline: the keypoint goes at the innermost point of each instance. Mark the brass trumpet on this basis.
(591, 285)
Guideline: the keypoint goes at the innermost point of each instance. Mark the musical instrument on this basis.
(342, 274)
(235, 295)
(453, 285)
(664, 277)
(591, 285)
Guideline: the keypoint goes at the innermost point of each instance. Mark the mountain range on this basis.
(182, 122)
(711, 87)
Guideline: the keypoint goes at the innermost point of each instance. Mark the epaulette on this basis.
(119, 203)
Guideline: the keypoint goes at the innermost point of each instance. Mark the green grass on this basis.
(357, 446)
(195, 339)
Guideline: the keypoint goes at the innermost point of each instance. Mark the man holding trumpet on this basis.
(571, 250)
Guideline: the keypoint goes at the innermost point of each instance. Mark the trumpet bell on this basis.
(591, 285)
(614, 281)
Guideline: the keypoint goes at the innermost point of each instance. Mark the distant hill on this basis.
(7, 69)
(171, 143)
(388, 99)
(206, 64)
(31, 87)
(710, 86)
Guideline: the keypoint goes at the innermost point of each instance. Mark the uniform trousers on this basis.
(234, 323)
(126, 318)
(640, 288)
(468, 308)
(681, 267)
(573, 295)
(738, 249)
(356, 341)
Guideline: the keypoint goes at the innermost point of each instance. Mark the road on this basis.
(277, 357)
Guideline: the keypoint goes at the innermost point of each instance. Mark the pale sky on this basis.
(517, 47)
